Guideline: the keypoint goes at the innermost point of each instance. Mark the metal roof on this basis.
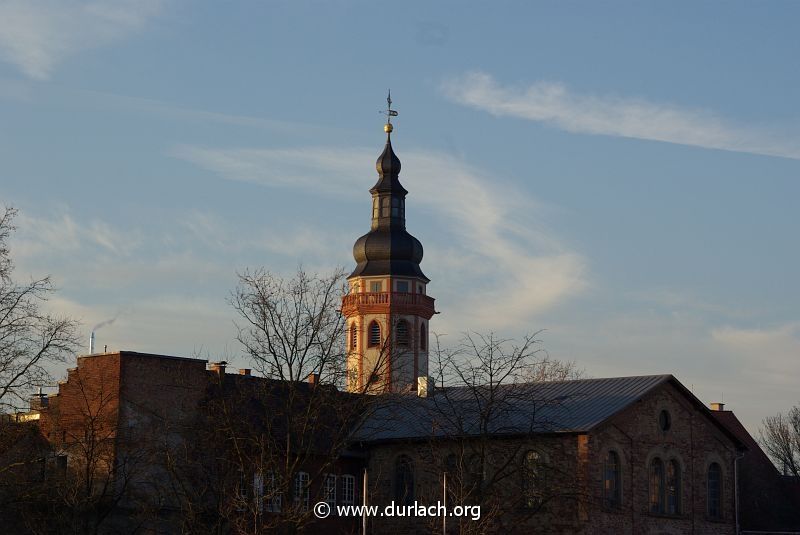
(522, 408)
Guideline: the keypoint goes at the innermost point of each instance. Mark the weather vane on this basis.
(389, 113)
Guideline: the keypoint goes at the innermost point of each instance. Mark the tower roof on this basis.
(388, 248)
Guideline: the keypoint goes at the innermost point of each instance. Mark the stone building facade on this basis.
(651, 460)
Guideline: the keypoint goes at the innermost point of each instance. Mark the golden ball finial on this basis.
(388, 128)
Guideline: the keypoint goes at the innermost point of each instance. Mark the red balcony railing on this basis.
(387, 298)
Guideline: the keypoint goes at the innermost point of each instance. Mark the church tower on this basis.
(387, 308)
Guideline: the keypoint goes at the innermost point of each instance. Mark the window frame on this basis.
(612, 480)
(657, 486)
(673, 488)
(404, 491)
(402, 333)
(301, 489)
(353, 336)
(532, 479)
(374, 334)
(348, 489)
(717, 501)
(272, 495)
(329, 489)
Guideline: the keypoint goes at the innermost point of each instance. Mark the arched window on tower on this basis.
(402, 336)
(395, 207)
(714, 491)
(423, 337)
(611, 480)
(385, 207)
(353, 336)
(657, 486)
(375, 206)
(374, 334)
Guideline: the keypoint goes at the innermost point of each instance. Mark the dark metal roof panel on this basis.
(563, 406)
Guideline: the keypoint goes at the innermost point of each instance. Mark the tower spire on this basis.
(387, 309)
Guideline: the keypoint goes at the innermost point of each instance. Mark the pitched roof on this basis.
(555, 407)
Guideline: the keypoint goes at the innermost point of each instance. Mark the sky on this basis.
(620, 175)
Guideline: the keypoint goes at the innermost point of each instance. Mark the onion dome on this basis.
(388, 249)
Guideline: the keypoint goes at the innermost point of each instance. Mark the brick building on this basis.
(162, 444)
(621, 455)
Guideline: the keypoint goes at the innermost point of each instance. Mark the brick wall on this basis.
(572, 499)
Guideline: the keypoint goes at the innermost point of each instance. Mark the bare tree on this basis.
(265, 445)
(488, 410)
(291, 328)
(30, 338)
(780, 437)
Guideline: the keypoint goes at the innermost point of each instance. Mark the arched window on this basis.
(385, 207)
(402, 335)
(423, 337)
(611, 481)
(531, 479)
(657, 486)
(673, 488)
(714, 491)
(395, 207)
(404, 480)
(353, 336)
(374, 334)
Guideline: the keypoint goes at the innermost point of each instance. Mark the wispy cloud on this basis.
(771, 354)
(36, 35)
(556, 105)
(62, 235)
(490, 241)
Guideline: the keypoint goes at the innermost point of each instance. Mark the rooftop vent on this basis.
(218, 367)
(424, 386)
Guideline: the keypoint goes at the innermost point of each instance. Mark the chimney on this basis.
(717, 406)
(245, 372)
(39, 401)
(218, 367)
(313, 379)
(424, 386)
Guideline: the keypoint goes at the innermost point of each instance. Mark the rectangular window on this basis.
(376, 286)
(301, 489)
(273, 495)
(348, 489)
(330, 489)
(242, 488)
(258, 491)
(402, 286)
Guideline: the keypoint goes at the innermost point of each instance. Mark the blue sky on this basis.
(621, 174)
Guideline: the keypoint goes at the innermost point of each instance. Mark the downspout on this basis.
(736, 490)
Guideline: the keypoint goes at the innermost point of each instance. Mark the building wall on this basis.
(637, 437)
(573, 486)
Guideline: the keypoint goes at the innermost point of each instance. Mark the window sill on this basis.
(668, 516)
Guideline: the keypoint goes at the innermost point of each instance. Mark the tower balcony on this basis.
(382, 302)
